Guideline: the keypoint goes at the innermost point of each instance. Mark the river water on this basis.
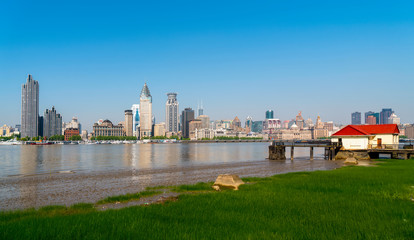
(29, 160)
(35, 176)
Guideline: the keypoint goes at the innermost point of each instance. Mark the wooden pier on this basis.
(277, 151)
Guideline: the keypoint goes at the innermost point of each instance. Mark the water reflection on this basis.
(27, 160)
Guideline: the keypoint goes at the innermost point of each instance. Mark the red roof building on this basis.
(368, 136)
(361, 130)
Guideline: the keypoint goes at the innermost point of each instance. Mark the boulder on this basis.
(227, 181)
(351, 160)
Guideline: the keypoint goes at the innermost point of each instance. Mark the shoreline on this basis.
(68, 188)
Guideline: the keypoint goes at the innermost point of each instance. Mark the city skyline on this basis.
(146, 95)
(286, 57)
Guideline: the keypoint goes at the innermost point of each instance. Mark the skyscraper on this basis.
(200, 110)
(52, 123)
(135, 119)
(205, 121)
(187, 116)
(371, 120)
(356, 118)
(376, 115)
(129, 123)
(269, 114)
(145, 110)
(249, 122)
(30, 108)
(385, 114)
(171, 114)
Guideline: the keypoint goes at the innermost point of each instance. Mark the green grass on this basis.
(128, 197)
(198, 187)
(347, 203)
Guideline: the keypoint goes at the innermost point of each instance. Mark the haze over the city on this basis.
(238, 57)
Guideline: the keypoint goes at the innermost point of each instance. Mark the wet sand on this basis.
(68, 188)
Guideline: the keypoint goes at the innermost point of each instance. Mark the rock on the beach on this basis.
(351, 160)
(227, 181)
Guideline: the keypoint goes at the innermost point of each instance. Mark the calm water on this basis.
(28, 160)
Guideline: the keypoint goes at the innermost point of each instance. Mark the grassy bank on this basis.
(347, 203)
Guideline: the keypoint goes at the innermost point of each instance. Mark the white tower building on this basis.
(145, 112)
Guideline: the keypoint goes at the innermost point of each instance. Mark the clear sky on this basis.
(239, 57)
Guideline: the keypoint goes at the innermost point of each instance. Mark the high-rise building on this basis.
(370, 113)
(356, 118)
(172, 114)
(129, 131)
(249, 122)
(135, 119)
(186, 116)
(371, 120)
(385, 114)
(145, 112)
(30, 108)
(205, 121)
(52, 123)
(269, 114)
(200, 110)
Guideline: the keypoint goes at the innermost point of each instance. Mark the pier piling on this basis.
(311, 153)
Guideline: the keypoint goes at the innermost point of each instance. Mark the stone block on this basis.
(227, 181)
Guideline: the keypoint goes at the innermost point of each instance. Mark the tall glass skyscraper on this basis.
(269, 114)
(385, 114)
(356, 118)
(30, 108)
(135, 119)
(187, 116)
(172, 114)
(145, 112)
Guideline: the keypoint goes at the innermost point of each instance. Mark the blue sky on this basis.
(239, 57)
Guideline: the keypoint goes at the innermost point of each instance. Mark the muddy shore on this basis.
(67, 188)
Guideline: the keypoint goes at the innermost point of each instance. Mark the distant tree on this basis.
(57, 138)
(75, 138)
(158, 137)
